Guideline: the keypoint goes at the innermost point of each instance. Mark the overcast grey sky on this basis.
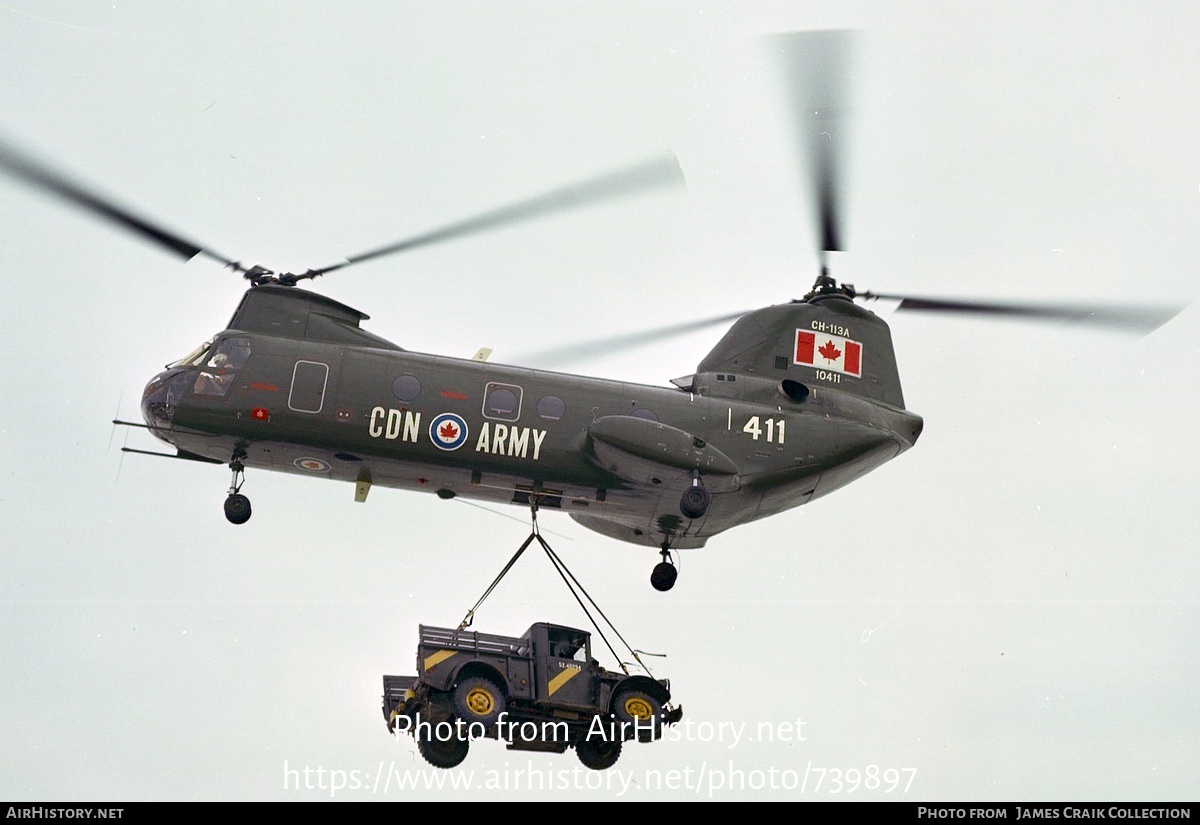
(1009, 609)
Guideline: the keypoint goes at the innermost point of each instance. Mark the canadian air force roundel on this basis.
(448, 431)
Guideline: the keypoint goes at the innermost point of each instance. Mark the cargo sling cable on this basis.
(572, 584)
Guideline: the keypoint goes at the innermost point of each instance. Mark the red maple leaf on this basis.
(829, 351)
(448, 431)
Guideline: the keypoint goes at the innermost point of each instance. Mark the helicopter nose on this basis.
(159, 397)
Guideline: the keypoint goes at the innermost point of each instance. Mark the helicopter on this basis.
(794, 402)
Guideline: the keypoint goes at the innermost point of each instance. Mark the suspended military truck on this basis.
(540, 692)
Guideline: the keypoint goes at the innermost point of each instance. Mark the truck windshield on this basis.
(568, 644)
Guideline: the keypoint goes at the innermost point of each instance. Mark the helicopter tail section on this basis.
(826, 340)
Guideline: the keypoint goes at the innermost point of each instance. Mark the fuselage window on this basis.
(308, 386)
(644, 413)
(551, 408)
(502, 402)
(406, 388)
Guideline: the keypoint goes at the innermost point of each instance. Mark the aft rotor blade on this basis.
(816, 67)
(1134, 318)
(656, 173)
(40, 176)
(583, 350)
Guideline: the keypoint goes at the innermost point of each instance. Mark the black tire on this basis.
(640, 711)
(479, 699)
(695, 501)
(448, 754)
(237, 508)
(662, 578)
(598, 753)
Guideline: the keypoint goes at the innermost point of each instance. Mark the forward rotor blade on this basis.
(25, 168)
(815, 67)
(656, 173)
(583, 350)
(1138, 319)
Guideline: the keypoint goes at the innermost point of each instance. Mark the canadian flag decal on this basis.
(829, 352)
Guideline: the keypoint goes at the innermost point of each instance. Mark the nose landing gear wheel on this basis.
(237, 508)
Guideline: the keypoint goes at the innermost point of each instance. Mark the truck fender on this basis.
(480, 669)
(643, 683)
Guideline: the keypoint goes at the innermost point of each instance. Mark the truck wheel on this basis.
(448, 754)
(641, 711)
(478, 699)
(598, 753)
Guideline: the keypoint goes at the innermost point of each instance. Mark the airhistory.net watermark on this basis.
(706, 780)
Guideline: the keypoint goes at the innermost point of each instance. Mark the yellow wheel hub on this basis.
(481, 701)
(638, 707)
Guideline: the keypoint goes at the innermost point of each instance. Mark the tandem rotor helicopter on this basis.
(794, 402)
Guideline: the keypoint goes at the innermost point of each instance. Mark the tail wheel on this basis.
(641, 712)
(479, 699)
(448, 754)
(598, 753)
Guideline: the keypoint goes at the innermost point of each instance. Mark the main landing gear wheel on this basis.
(663, 577)
(237, 508)
(598, 753)
(695, 501)
(448, 754)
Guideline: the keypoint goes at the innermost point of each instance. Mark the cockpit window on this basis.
(219, 370)
(193, 358)
(231, 354)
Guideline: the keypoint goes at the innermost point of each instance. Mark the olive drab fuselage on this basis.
(796, 401)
